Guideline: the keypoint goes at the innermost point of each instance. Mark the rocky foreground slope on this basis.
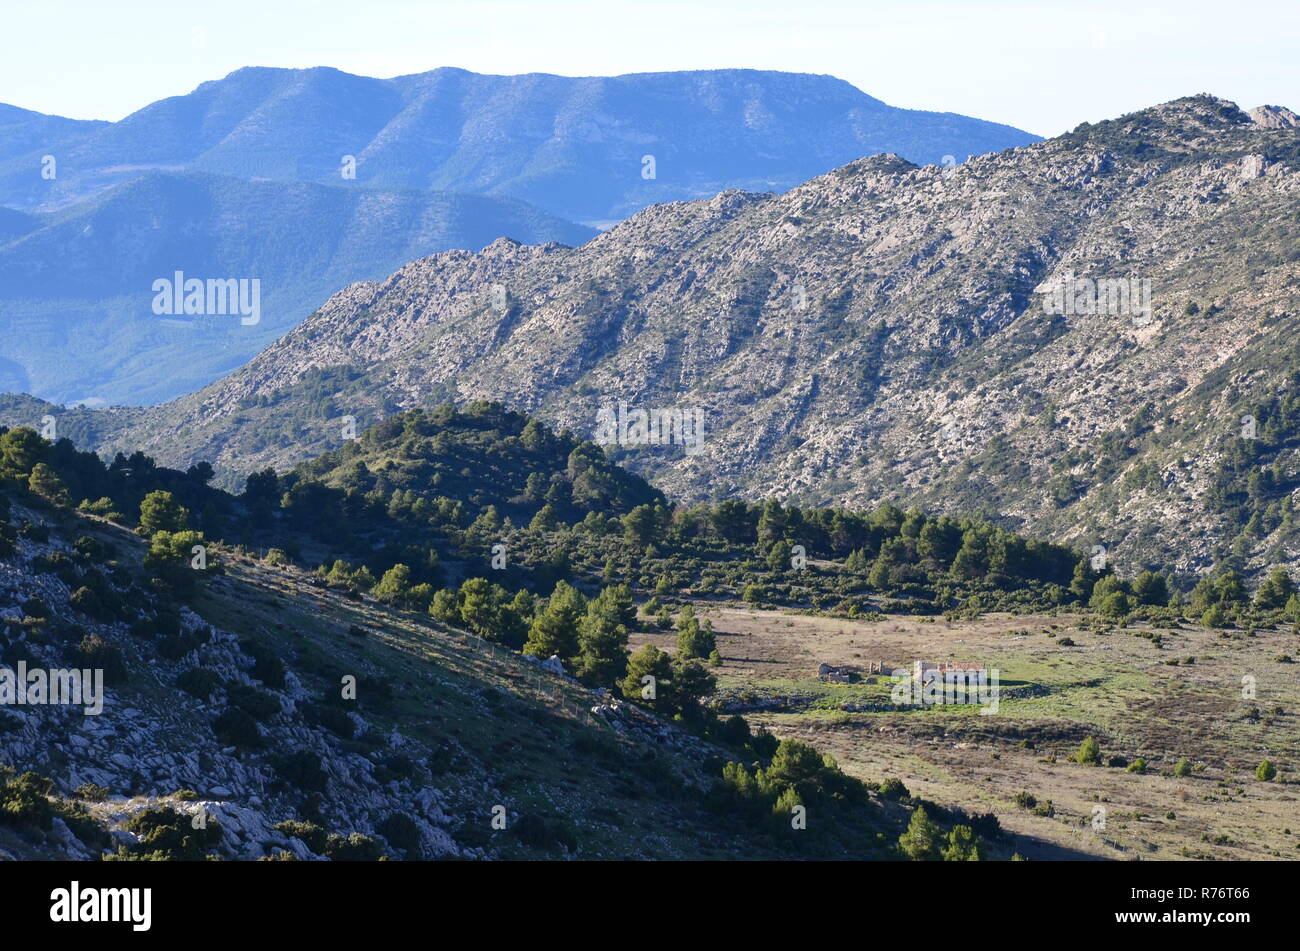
(881, 332)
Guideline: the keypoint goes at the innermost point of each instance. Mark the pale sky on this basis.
(1041, 66)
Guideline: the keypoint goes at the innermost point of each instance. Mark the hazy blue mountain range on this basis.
(574, 146)
(76, 292)
(24, 133)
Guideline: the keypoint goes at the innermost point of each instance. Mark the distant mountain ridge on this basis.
(76, 284)
(27, 133)
(573, 146)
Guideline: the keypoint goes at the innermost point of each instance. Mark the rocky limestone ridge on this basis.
(882, 332)
(1274, 117)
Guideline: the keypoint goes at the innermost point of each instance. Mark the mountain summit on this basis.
(592, 149)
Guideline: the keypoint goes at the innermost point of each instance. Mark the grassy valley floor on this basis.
(1157, 693)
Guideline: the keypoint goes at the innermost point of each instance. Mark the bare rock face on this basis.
(1067, 334)
(1274, 117)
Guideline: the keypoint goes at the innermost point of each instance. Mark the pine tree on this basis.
(694, 639)
(778, 559)
(602, 638)
(170, 561)
(555, 629)
(784, 805)
(641, 525)
(444, 606)
(1272, 594)
(340, 574)
(741, 781)
(545, 520)
(1151, 588)
(394, 586)
(477, 610)
(657, 693)
(485, 528)
(771, 524)
(46, 483)
(160, 512)
(921, 841)
(962, 845)
(691, 683)
(798, 765)
(1083, 580)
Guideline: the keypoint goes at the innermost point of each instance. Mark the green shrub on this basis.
(893, 789)
(764, 744)
(89, 603)
(177, 646)
(312, 835)
(354, 848)
(24, 802)
(267, 666)
(402, 833)
(734, 731)
(539, 832)
(36, 608)
(172, 834)
(301, 770)
(199, 682)
(256, 703)
(103, 507)
(95, 652)
(333, 718)
(237, 728)
(93, 792)
(1089, 753)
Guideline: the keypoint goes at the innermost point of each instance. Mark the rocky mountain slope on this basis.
(881, 332)
(76, 286)
(574, 146)
(441, 731)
